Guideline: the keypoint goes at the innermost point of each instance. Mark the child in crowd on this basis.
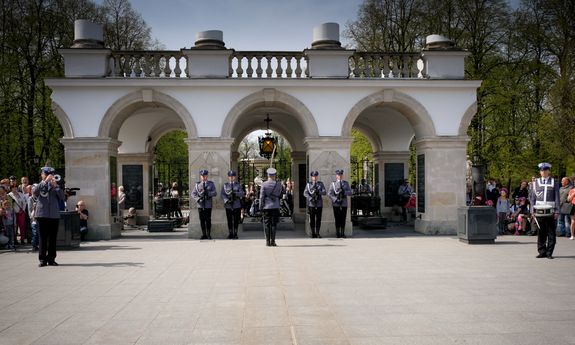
(9, 221)
(502, 210)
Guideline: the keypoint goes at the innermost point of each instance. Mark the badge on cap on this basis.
(313, 173)
(339, 172)
(271, 171)
(544, 166)
(231, 173)
(203, 172)
(48, 170)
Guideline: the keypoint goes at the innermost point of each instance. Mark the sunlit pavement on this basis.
(380, 287)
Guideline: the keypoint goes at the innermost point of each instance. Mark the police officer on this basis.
(270, 195)
(339, 190)
(203, 193)
(231, 194)
(313, 192)
(545, 200)
(49, 195)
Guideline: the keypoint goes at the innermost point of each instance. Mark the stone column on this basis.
(146, 160)
(214, 155)
(381, 158)
(88, 168)
(234, 161)
(443, 170)
(326, 154)
(299, 214)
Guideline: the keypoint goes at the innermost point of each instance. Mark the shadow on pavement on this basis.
(95, 248)
(105, 264)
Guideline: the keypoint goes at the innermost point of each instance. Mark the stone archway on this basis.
(467, 118)
(63, 119)
(271, 97)
(125, 106)
(413, 111)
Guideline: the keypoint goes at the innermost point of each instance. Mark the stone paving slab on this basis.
(378, 288)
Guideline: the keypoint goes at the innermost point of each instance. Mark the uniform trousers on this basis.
(340, 214)
(546, 236)
(205, 221)
(48, 234)
(315, 219)
(271, 218)
(233, 216)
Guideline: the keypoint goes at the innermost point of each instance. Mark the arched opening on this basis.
(141, 122)
(292, 122)
(389, 125)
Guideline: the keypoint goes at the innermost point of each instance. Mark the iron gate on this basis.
(364, 169)
(248, 170)
(167, 172)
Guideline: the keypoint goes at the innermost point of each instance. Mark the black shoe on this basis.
(42, 264)
(203, 237)
(209, 237)
(541, 256)
(313, 236)
(230, 236)
(53, 263)
(550, 257)
(343, 236)
(273, 244)
(318, 236)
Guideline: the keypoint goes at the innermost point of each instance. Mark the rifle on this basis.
(314, 191)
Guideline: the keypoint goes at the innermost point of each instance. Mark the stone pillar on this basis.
(209, 58)
(327, 59)
(299, 214)
(326, 154)
(234, 161)
(88, 168)
(146, 160)
(442, 60)
(443, 169)
(381, 158)
(87, 57)
(214, 155)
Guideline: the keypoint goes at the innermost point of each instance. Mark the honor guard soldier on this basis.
(231, 194)
(545, 200)
(339, 190)
(203, 193)
(270, 195)
(313, 192)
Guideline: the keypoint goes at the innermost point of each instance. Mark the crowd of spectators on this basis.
(514, 210)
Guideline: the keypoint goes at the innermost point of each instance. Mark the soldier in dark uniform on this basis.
(231, 194)
(545, 202)
(270, 195)
(203, 193)
(339, 190)
(313, 192)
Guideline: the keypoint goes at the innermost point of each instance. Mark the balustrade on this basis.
(261, 65)
(147, 64)
(386, 65)
(257, 64)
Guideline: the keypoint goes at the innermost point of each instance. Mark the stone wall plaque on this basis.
(394, 176)
(133, 182)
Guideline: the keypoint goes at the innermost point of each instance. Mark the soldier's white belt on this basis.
(543, 209)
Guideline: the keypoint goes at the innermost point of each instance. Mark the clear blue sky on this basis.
(247, 24)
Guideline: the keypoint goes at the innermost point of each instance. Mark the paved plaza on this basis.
(381, 287)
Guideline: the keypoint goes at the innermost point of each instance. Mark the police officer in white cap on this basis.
(203, 193)
(313, 191)
(231, 194)
(339, 190)
(270, 195)
(545, 200)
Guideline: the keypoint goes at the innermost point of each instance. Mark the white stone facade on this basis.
(124, 117)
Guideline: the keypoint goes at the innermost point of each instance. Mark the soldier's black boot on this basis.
(267, 231)
(317, 233)
(273, 237)
(235, 234)
(203, 235)
(230, 234)
(208, 232)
